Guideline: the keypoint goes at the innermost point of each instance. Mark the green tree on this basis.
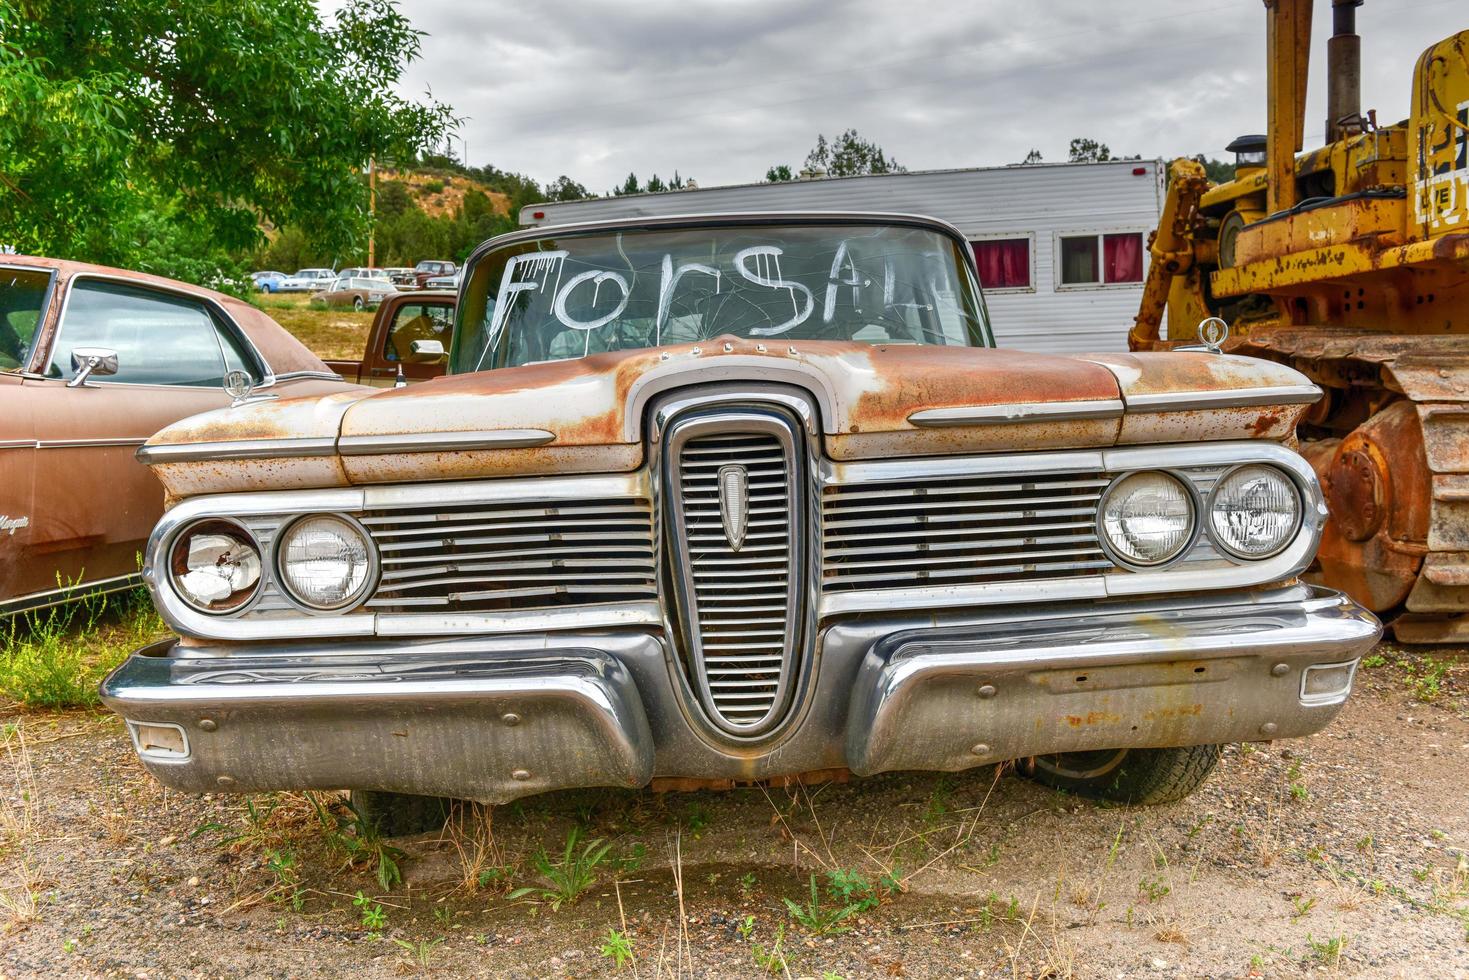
(212, 118)
(1085, 150)
(848, 155)
(563, 188)
(628, 186)
(1218, 171)
(779, 174)
(1034, 156)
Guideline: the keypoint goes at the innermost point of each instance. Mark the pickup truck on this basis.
(401, 319)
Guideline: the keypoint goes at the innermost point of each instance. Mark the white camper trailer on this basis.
(1061, 248)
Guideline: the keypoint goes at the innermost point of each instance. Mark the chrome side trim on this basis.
(443, 442)
(1104, 408)
(87, 443)
(18, 444)
(55, 597)
(193, 452)
(1190, 401)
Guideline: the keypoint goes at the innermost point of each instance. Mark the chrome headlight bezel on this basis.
(357, 597)
(1191, 495)
(1223, 547)
(233, 528)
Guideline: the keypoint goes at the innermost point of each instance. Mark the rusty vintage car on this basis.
(748, 497)
(93, 361)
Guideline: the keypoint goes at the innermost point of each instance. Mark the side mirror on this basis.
(89, 361)
(425, 352)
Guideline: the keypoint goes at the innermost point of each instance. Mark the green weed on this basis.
(617, 947)
(372, 914)
(848, 894)
(772, 960)
(567, 878)
(420, 951)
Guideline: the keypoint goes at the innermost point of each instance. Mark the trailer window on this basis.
(1004, 263)
(1091, 260)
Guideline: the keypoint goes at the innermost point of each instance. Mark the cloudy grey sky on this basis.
(720, 90)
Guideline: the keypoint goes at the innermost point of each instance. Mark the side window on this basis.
(417, 321)
(1004, 263)
(23, 294)
(1102, 259)
(159, 339)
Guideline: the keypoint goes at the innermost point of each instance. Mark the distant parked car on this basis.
(92, 362)
(363, 272)
(307, 280)
(401, 276)
(430, 268)
(358, 292)
(443, 282)
(267, 282)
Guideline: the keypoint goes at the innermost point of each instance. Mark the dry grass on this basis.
(330, 334)
(19, 879)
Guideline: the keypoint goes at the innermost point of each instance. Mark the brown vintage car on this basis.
(356, 292)
(398, 342)
(92, 362)
(705, 501)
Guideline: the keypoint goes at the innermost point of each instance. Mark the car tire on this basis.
(400, 814)
(1136, 777)
(357, 304)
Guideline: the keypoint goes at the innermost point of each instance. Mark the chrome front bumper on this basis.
(497, 718)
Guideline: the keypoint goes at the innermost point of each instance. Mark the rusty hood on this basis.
(588, 415)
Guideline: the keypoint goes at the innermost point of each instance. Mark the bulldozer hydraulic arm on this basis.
(1170, 248)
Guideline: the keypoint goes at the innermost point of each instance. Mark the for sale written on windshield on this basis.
(580, 295)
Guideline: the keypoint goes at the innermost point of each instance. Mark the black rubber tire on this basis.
(400, 814)
(1141, 777)
(357, 303)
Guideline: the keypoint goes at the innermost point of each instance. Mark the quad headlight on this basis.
(215, 566)
(1254, 511)
(325, 562)
(1147, 518)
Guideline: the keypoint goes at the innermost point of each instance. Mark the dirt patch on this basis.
(329, 334)
(1341, 854)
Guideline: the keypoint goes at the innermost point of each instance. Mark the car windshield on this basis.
(565, 296)
(22, 302)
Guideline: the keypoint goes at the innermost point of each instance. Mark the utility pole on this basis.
(371, 211)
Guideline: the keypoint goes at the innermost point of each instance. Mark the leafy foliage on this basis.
(779, 174)
(134, 129)
(849, 155)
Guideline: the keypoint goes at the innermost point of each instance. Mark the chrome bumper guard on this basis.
(486, 718)
(475, 724)
(1242, 668)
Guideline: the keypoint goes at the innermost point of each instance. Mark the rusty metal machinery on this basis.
(1351, 264)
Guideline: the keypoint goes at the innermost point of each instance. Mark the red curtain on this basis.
(1122, 257)
(1004, 263)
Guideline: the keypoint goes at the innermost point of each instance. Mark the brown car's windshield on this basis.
(22, 302)
(564, 296)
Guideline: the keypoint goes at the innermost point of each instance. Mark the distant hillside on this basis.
(441, 195)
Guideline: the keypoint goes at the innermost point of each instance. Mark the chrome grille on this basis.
(738, 591)
(513, 555)
(960, 530)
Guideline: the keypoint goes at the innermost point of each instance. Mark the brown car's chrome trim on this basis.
(193, 452)
(88, 443)
(443, 442)
(53, 597)
(17, 444)
(1189, 401)
(1017, 412)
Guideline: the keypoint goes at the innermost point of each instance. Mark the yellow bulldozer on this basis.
(1351, 264)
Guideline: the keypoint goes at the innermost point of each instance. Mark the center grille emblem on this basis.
(734, 507)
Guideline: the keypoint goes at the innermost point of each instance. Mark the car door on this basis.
(98, 503)
(25, 299)
(415, 319)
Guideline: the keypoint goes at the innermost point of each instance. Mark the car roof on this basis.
(283, 353)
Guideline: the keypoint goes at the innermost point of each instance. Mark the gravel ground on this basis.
(1343, 854)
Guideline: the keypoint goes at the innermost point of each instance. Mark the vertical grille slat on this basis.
(739, 573)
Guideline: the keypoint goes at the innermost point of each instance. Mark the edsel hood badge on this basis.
(734, 495)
